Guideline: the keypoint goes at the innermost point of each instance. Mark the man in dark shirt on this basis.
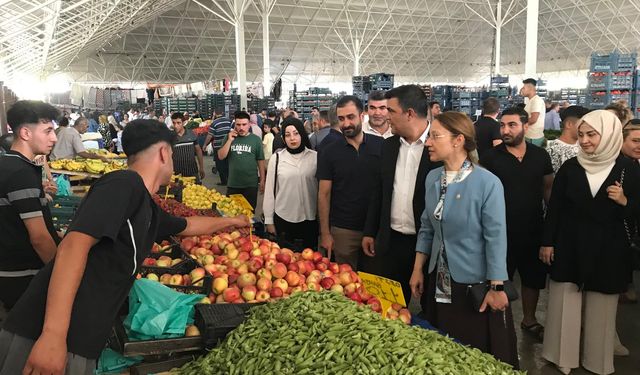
(526, 173)
(487, 127)
(187, 154)
(347, 170)
(62, 322)
(28, 239)
(334, 134)
(218, 130)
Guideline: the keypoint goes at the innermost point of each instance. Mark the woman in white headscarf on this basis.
(589, 223)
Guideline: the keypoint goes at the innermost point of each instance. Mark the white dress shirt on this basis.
(366, 127)
(297, 190)
(404, 184)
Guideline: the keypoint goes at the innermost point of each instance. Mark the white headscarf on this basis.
(610, 130)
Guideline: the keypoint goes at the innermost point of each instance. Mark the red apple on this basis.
(231, 294)
(208, 259)
(375, 304)
(255, 264)
(293, 267)
(327, 283)
(364, 295)
(354, 277)
(293, 278)
(220, 284)
(186, 280)
(345, 267)
(249, 293)
(313, 279)
(279, 270)
(220, 299)
(246, 280)
(307, 254)
(333, 267)
(350, 288)
(262, 296)
(243, 268)
(197, 274)
(321, 267)
(244, 256)
(354, 297)
(216, 250)
(314, 286)
(264, 273)
(233, 277)
(165, 279)
(264, 284)
(269, 263)
(337, 288)
(235, 234)
(256, 253)
(396, 306)
(222, 259)
(176, 280)
(149, 262)
(283, 258)
(276, 292)
(281, 284)
(405, 316)
(345, 278)
(317, 257)
(238, 300)
(232, 252)
(187, 244)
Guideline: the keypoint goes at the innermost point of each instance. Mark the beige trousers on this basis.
(565, 317)
(347, 246)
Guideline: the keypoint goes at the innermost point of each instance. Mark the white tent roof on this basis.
(419, 40)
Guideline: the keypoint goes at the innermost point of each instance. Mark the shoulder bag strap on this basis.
(275, 181)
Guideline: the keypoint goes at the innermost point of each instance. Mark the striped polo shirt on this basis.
(21, 197)
(218, 129)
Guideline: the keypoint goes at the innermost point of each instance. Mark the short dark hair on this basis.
(64, 121)
(324, 115)
(524, 116)
(139, 135)
(431, 104)
(25, 112)
(177, 115)
(490, 106)
(272, 114)
(410, 96)
(575, 111)
(241, 114)
(530, 81)
(316, 108)
(376, 95)
(346, 99)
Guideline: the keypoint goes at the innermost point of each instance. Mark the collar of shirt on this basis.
(20, 156)
(421, 140)
(366, 127)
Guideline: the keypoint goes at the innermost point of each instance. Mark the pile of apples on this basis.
(162, 261)
(161, 248)
(249, 269)
(194, 278)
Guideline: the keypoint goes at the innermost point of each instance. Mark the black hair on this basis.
(490, 106)
(376, 95)
(524, 116)
(316, 108)
(410, 96)
(25, 112)
(346, 99)
(530, 81)
(432, 104)
(64, 121)
(241, 114)
(177, 115)
(574, 111)
(139, 135)
(297, 123)
(324, 115)
(272, 114)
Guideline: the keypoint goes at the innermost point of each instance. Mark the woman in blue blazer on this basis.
(463, 236)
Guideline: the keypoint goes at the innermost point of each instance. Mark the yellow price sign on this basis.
(386, 290)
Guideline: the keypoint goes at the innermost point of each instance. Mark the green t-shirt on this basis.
(243, 161)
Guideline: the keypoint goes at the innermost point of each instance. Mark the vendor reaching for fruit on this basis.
(28, 239)
(64, 319)
(69, 144)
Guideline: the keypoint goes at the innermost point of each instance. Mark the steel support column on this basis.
(531, 45)
(241, 68)
(266, 71)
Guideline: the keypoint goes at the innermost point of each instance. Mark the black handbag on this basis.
(632, 238)
(477, 292)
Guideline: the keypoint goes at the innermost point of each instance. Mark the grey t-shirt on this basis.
(317, 137)
(69, 144)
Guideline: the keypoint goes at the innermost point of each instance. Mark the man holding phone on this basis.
(245, 156)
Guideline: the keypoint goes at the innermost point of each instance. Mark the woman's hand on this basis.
(497, 301)
(417, 283)
(546, 254)
(616, 194)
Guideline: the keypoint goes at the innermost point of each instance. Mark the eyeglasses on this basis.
(438, 136)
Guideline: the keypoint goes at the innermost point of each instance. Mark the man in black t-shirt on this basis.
(62, 322)
(526, 173)
(28, 239)
(487, 127)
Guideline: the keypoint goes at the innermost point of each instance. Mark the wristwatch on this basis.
(497, 287)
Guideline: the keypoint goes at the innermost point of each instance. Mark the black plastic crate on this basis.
(217, 320)
(174, 253)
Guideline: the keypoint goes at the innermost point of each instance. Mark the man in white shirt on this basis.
(536, 109)
(378, 122)
(566, 146)
(393, 217)
(69, 144)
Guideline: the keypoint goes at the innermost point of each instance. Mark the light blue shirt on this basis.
(552, 120)
(473, 227)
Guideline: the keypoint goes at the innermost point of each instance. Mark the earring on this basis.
(455, 145)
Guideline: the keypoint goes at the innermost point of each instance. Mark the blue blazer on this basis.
(473, 227)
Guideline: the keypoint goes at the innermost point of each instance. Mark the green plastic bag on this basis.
(64, 187)
(111, 362)
(158, 312)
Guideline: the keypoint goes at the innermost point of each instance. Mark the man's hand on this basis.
(368, 246)
(50, 187)
(241, 221)
(417, 283)
(326, 242)
(546, 254)
(48, 356)
(232, 135)
(616, 194)
(271, 229)
(201, 172)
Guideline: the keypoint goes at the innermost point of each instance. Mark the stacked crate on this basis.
(499, 88)
(611, 78)
(466, 100)
(443, 95)
(304, 101)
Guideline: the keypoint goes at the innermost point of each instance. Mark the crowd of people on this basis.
(449, 208)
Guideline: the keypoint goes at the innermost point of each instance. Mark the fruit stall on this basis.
(256, 307)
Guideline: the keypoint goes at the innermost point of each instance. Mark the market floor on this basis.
(529, 349)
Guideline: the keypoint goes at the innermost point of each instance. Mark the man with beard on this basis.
(378, 123)
(347, 171)
(526, 173)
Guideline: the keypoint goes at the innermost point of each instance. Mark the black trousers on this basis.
(222, 166)
(304, 233)
(397, 263)
(12, 288)
(250, 194)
